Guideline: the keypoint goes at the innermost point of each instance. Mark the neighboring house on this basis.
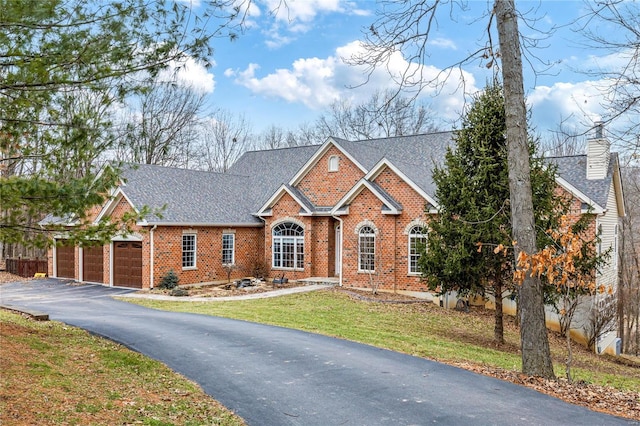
(351, 212)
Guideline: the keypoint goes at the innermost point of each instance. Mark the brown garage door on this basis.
(92, 264)
(127, 264)
(65, 261)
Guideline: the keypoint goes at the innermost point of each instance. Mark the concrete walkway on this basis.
(248, 296)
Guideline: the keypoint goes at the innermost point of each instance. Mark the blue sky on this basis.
(286, 69)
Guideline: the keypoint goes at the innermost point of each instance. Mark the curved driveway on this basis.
(276, 376)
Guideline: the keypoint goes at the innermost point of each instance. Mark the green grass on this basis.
(53, 374)
(423, 330)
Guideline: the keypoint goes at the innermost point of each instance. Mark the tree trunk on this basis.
(536, 356)
(498, 328)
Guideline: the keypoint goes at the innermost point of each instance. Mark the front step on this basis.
(320, 280)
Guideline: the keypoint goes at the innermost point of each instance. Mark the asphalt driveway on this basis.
(276, 376)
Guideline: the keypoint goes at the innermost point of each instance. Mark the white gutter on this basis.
(151, 256)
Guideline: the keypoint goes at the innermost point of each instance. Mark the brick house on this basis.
(345, 211)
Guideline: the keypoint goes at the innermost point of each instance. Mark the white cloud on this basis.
(578, 105)
(317, 82)
(302, 10)
(443, 43)
(190, 73)
(299, 16)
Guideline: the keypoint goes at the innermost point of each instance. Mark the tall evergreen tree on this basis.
(466, 242)
(65, 65)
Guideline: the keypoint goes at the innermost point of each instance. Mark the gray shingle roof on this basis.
(573, 169)
(416, 155)
(268, 170)
(199, 197)
(188, 196)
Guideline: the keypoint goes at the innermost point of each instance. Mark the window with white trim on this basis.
(599, 239)
(366, 249)
(288, 246)
(228, 249)
(188, 251)
(334, 163)
(417, 241)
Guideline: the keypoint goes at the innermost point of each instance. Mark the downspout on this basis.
(341, 248)
(264, 238)
(151, 253)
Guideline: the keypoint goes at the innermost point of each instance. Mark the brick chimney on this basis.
(598, 153)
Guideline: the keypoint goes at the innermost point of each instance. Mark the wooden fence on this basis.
(26, 267)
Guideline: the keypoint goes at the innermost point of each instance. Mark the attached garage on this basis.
(127, 264)
(65, 261)
(93, 264)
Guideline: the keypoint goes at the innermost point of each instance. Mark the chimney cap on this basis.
(599, 129)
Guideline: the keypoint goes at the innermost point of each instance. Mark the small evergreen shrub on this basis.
(170, 280)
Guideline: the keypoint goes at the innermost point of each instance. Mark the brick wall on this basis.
(392, 244)
(325, 188)
(249, 251)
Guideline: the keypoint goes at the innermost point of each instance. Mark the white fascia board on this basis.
(597, 209)
(276, 196)
(272, 200)
(619, 193)
(380, 166)
(112, 203)
(203, 225)
(316, 157)
(355, 191)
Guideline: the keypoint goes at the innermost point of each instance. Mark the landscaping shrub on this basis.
(179, 292)
(170, 280)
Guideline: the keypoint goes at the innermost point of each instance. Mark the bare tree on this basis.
(601, 319)
(629, 287)
(161, 128)
(536, 355)
(564, 141)
(225, 137)
(405, 27)
(272, 137)
(613, 27)
(384, 114)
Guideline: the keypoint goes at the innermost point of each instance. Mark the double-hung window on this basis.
(228, 249)
(288, 246)
(188, 251)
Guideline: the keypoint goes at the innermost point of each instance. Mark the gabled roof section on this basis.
(187, 197)
(384, 164)
(268, 170)
(389, 205)
(305, 205)
(331, 141)
(572, 176)
(112, 202)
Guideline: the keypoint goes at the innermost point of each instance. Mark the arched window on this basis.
(288, 246)
(366, 249)
(417, 240)
(334, 161)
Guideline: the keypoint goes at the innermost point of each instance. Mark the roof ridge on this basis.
(402, 136)
(282, 148)
(160, 166)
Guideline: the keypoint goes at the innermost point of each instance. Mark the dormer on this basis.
(598, 154)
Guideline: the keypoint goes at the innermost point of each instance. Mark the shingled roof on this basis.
(187, 196)
(191, 197)
(573, 169)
